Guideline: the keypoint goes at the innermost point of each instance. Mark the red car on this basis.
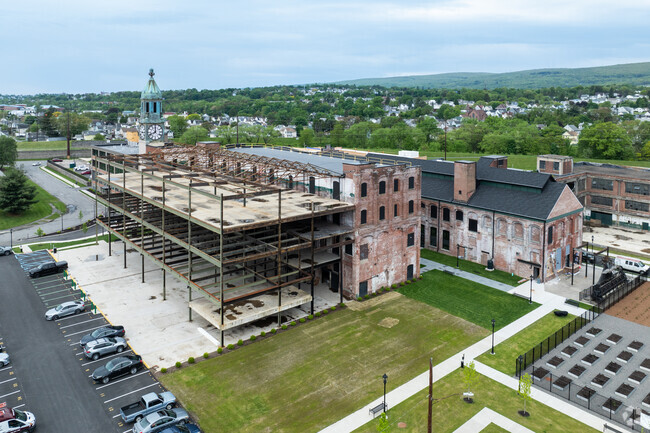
(56, 160)
(86, 172)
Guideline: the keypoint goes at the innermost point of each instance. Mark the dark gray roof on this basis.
(428, 165)
(524, 203)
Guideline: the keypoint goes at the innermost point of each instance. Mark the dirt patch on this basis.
(388, 322)
(646, 250)
(369, 303)
(634, 307)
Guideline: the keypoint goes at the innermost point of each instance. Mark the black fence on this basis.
(586, 396)
(555, 339)
(620, 292)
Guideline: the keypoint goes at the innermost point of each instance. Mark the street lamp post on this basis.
(385, 377)
(521, 361)
(492, 352)
(457, 255)
(593, 270)
(530, 298)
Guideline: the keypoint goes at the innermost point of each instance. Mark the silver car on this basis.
(5, 250)
(65, 309)
(160, 420)
(4, 357)
(104, 346)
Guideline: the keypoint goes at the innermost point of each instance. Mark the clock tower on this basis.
(152, 125)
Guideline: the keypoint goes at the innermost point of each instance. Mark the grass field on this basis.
(469, 300)
(493, 428)
(311, 376)
(38, 210)
(42, 145)
(49, 245)
(450, 412)
(474, 268)
(506, 352)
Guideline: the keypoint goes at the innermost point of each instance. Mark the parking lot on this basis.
(49, 374)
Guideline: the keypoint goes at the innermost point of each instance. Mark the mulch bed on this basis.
(590, 359)
(635, 345)
(555, 362)
(569, 351)
(586, 393)
(602, 348)
(624, 356)
(614, 338)
(594, 331)
(645, 365)
(612, 368)
(582, 341)
(577, 370)
(624, 390)
(562, 382)
(637, 377)
(635, 306)
(612, 404)
(600, 380)
(540, 373)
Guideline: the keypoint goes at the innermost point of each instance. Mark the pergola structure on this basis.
(229, 224)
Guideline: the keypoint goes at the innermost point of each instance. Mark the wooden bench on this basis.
(572, 302)
(375, 410)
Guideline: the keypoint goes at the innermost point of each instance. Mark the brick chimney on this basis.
(464, 180)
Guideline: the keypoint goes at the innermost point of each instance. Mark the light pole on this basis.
(492, 352)
(530, 298)
(11, 238)
(385, 377)
(457, 255)
(521, 361)
(593, 270)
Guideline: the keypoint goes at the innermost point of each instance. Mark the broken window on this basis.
(410, 240)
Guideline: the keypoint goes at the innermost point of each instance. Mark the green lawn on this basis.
(38, 210)
(506, 352)
(311, 376)
(474, 268)
(471, 301)
(42, 145)
(450, 412)
(50, 245)
(68, 178)
(493, 428)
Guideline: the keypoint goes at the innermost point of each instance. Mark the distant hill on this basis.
(631, 73)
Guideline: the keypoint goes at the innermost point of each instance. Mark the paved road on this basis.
(55, 389)
(71, 197)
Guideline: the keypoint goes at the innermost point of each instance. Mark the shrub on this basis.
(284, 326)
(163, 370)
(273, 331)
(231, 346)
(220, 350)
(318, 314)
(325, 311)
(333, 308)
(359, 299)
(253, 337)
(293, 323)
(303, 320)
(402, 284)
(367, 297)
(311, 316)
(240, 342)
(263, 334)
(420, 277)
(373, 294)
(394, 286)
(408, 281)
(190, 360)
(178, 364)
(341, 305)
(205, 355)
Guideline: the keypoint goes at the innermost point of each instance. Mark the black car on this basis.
(117, 367)
(104, 332)
(48, 268)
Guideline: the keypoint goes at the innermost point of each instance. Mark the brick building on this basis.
(612, 194)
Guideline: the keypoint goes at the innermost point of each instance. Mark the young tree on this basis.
(525, 383)
(194, 134)
(307, 137)
(605, 140)
(383, 426)
(78, 124)
(16, 194)
(8, 151)
(178, 125)
(469, 377)
(336, 136)
(98, 137)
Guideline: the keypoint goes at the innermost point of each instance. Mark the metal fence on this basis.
(555, 339)
(610, 407)
(620, 292)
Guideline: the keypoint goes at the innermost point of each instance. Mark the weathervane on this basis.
(151, 73)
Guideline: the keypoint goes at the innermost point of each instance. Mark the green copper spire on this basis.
(151, 90)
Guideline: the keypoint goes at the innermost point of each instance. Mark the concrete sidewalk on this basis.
(417, 384)
(430, 265)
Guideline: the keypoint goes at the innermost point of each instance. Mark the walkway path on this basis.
(430, 264)
(487, 416)
(403, 392)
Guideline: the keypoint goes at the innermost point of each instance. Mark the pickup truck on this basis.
(48, 269)
(147, 404)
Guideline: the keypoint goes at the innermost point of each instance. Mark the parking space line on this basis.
(105, 358)
(60, 297)
(85, 331)
(6, 368)
(10, 380)
(40, 290)
(79, 323)
(78, 316)
(122, 380)
(11, 393)
(43, 295)
(124, 395)
(20, 405)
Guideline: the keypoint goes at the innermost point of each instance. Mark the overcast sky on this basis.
(108, 45)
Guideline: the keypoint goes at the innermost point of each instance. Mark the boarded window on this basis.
(518, 230)
(363, 252)
(550, 235)
(535, 233)
(502, 227)
(473, 225)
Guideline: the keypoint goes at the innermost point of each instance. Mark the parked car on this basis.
(56, 160)
(182, 428)
(104, 346)
(66, 309)
(14, 420)
(154, 422)
(4, 357)
(48, 268)
(86, 172)
(37, 164)
(147, 404)
(116, 367)
(5, 251)
(104, 331)
(81, 168)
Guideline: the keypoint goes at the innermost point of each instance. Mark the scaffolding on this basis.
(226, 223)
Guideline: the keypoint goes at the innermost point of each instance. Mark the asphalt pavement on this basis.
(72, 197)
(55, 389)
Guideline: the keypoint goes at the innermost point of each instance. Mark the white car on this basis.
(81, 168)
(14, 420)
(37, 164)
(5, 251)
(4, 358)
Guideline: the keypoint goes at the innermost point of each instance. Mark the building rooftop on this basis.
(610, 170)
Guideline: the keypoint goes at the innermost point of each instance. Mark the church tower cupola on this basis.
(152, 124)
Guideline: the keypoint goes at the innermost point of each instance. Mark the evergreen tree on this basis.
(16, 194)
(8, 151)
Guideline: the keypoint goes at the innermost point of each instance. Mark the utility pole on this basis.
(430, 395)
(68, 133)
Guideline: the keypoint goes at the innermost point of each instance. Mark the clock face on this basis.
(142, 131)
(155, 132)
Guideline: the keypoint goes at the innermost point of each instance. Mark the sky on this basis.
(85, 46)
